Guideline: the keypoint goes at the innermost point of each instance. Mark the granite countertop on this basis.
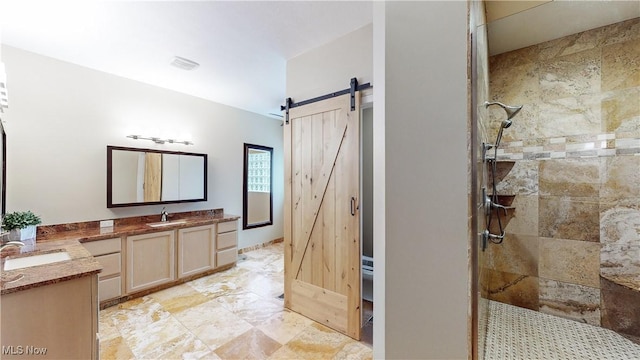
(128, 227)
(69, 238)
(81, 264)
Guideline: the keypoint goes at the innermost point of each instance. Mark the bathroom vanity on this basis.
(50, 307)
(141, 255)
(50, 311)
(146, 259)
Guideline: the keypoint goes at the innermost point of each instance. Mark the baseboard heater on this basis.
(367, 263)
(367, 278)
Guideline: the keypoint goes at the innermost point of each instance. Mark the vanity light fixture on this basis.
(158, 140)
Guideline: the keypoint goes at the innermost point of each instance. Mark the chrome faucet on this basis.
(9, 244)
(163, 215)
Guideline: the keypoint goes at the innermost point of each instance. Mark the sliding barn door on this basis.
(322, 219)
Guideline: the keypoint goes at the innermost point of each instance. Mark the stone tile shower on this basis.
(572, 242)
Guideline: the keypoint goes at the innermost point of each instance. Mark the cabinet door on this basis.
(150, 260)
(196, 250)
(59, 320)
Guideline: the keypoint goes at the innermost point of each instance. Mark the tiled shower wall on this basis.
(576, 144)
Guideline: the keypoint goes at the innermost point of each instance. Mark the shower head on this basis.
(510, 110)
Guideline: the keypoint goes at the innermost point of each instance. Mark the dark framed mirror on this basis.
(257, 200)
(3, 178)
(146, 177)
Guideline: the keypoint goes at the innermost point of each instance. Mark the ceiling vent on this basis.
(184, 64)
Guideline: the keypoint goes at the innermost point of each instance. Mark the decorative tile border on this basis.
(576, 146)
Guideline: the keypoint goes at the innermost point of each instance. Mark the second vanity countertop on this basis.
(128, 227)
(69, 238)
(81, 264)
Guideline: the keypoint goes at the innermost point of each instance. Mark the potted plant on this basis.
(21, 225)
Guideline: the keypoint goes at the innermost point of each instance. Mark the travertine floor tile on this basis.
(107, 326)
(315, 342)
(219, 284)
(232, 314)
(284, 326)
(354, 350)
(185, 346)
(212, 323)
(155, 336)
(115, 348)
(137, 314)
(178, 298)
(262, 285)
(253, 344)
(253, 308)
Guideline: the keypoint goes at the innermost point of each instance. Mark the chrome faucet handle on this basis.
(163, 215)
(14, 243)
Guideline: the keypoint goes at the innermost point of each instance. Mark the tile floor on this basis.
(233, 314)
(515, 333)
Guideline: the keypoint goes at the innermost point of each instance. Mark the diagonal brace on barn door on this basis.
(319, 191)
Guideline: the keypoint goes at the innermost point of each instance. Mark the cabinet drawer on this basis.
(227, 240)
(111, 264)
(226, 257)
(227, 226)
(110, 288)
(101, 247)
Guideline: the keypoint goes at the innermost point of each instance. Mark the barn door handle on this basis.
(353, 206)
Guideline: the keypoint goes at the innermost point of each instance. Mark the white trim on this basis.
(379, 219)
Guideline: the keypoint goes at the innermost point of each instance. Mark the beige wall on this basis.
(330, 67)
(426, 161)
(62, 117)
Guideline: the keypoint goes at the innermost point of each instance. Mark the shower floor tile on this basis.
(520, 334)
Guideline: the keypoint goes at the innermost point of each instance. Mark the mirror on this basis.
(3, 177)
(146, 177)
(257, 209)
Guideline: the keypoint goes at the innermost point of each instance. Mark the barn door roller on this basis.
(353, 87)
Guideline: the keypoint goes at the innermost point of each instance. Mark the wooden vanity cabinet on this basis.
(150, 260)
(55, 321)
(108, 252)
(162, 258)
(196, 250)
(227, 243)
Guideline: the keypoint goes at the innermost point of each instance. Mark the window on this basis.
(259, 171)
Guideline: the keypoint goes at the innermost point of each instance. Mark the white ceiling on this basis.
(242, 47)
(518, 26)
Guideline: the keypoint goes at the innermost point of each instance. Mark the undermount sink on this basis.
(167, 223)
(35, 260)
